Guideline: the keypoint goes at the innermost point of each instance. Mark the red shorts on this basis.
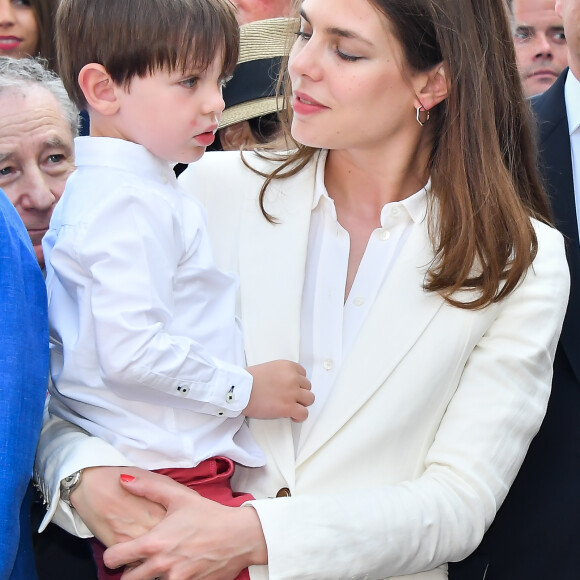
(211, 479)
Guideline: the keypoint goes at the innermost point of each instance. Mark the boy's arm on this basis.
(280, 390)
(142, 257)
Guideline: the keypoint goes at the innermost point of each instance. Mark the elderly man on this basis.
(37, 126)
(38, 123)
(540, 43)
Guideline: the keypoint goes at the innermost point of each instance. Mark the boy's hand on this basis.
(280, 389)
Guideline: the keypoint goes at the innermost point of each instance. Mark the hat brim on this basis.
(248, 110)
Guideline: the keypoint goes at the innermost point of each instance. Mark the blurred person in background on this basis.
(250, 10)
(27, 28)
(251, 114)
(540, 43)
(37, 126)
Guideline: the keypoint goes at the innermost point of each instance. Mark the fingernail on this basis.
(126, 478)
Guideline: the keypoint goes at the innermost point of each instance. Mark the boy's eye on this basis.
(5, 171)
(189, 83)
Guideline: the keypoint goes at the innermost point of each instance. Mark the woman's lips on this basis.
(9, 42)
(304, 104)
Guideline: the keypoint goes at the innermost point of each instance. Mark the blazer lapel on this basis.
(402, 304)
(272, 266)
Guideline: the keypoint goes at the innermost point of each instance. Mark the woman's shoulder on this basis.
(217, 167)
(232, 174)
(550, 240)
(550, 262)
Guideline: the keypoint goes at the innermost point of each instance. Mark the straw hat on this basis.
(252, 90)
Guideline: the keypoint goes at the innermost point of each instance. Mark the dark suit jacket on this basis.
(536, 534)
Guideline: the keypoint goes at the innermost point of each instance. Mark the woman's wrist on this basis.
(253, 533)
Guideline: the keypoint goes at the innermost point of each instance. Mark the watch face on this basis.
(68, 484)
(70, 480)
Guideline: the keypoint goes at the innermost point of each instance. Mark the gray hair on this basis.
(21, 73)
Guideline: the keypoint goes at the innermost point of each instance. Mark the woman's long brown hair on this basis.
(485, 184)
(45, 11)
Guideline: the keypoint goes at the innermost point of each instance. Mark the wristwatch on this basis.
(68, 485)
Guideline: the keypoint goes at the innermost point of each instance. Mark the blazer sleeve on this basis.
(380, 531)
(63, 449)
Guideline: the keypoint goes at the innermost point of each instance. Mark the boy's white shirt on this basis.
(425, 428)
(147, 351)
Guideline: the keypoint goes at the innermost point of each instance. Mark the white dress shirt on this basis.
(330, 323)
(147, 352)
(572, 96)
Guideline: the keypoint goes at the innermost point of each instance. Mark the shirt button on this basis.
(359, 301)
(395, 211)
(384, 235)
(183, 390)
(220, 413)
(230, 397)
(284, 492)
(328, 364)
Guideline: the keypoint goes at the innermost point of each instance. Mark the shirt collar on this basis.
(123, 155)
(572, 96)
(416, 204)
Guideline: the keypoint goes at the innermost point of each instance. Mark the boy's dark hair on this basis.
(137, 37)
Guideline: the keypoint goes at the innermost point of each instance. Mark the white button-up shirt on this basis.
(330, 324)
(572, 96)
(147, 352)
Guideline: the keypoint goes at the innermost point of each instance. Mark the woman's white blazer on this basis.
(428, 421)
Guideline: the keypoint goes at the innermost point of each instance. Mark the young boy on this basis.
(147, 348)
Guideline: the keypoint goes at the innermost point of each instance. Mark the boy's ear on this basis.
(99, 89)
(432, 88)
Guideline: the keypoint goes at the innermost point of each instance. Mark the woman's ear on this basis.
(99, 89)
(433, 87)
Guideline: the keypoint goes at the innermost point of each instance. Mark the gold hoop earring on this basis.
(420, 109)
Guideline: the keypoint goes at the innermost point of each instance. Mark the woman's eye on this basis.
(347, 57)
(303, 35)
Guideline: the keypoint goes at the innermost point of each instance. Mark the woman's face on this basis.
(18, 29)
(346, 69)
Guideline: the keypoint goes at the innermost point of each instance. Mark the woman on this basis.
(27, 28)
(401, 255)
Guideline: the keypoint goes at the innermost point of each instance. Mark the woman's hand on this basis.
(198, 538)
(109, 511)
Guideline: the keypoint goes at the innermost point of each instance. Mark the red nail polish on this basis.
(126, 478)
